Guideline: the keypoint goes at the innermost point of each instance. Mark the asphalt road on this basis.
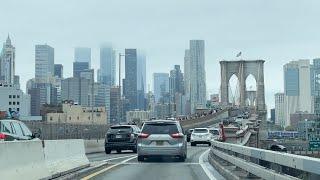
(125, 166)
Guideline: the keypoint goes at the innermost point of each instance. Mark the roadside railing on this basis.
(266, 164)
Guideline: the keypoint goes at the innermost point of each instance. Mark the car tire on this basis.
(193, 144)
(140, 158)
(118, 151)
(108, 151)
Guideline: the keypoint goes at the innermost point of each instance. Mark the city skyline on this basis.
(274, 38)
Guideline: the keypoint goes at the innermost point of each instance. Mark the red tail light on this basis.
(143, 135)
(2, 136)
(177, 135)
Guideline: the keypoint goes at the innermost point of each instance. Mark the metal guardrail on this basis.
(260, 162)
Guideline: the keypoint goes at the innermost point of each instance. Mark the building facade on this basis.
(297, 86)
(279, 109)
(7, 63)
(76, 89)
(78, 67)
(160, 85)
(13, 100)
(44, 63)
(83, 54)
(77, 114)
(197, 75)
(138, 116)
(107, 65)
(58, 70)
(130, 90)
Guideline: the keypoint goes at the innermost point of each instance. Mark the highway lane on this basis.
(128, 167)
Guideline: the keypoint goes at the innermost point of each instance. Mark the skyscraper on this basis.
(78, 67)
(58, 70)
(130, 81)
(160, 85)
(7, 62)
(44, 59)
(297, 88)
(82, 54)
(315, 84)
(76, 89)
(141, 80)
(279, 109)
(176, 84)
(107, 65)
(197, 76)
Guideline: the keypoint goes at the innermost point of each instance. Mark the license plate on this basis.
(118, 136)
(159, 143)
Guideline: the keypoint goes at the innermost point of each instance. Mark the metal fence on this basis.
(51, 131)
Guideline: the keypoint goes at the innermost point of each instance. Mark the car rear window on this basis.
(120, 129)
(200, 130)
(160, 128)
(214, 132)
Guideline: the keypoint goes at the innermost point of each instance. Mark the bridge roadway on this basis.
(126, 166)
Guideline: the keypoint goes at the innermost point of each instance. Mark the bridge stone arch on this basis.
(242, 69)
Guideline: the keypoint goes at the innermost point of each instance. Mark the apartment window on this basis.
(78, 118)
(10, 96)
(18, 96)
(14, 103)
(50, 118)
(18, 103)
(10, 109)
(10, 102)
(14, 96)
(70, 118)
(18, 109)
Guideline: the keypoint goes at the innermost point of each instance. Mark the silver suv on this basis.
(162, 138)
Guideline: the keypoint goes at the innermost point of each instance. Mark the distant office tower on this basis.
(187, 88)
(58, 70)
(315, 84)
(115, 105)
(76, 89)
(196, 76)
(297, 87)
(100, 96)
(79, 67)
(130, 81)
(141, 80)
(7, 62)
(41, 94)
(160, 85)
(88, 74)
(176, 84)
(82, 54)
(280, 109)
(107, 65)
(44, 59)
(98, 76)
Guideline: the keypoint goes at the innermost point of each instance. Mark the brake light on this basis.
(143, 135)
(177, 135)
(2, 136)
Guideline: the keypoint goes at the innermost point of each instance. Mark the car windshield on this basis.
(160, 128)
(200, 131)
(120, 129)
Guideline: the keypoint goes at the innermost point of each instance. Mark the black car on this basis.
(279, 148)
(189, 132)
(122, 137)
(11, 130)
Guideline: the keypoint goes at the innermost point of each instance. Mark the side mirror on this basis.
(36, 135)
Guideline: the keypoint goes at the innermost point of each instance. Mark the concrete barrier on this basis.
(63, 156)
(94, 146)
(22, 160)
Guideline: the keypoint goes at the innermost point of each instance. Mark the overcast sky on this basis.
(274, 30)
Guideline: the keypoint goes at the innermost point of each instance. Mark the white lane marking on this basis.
(121, 157)
(107, 168)
(204, 167)
(139, 163)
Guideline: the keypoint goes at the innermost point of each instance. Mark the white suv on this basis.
(201, 136)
